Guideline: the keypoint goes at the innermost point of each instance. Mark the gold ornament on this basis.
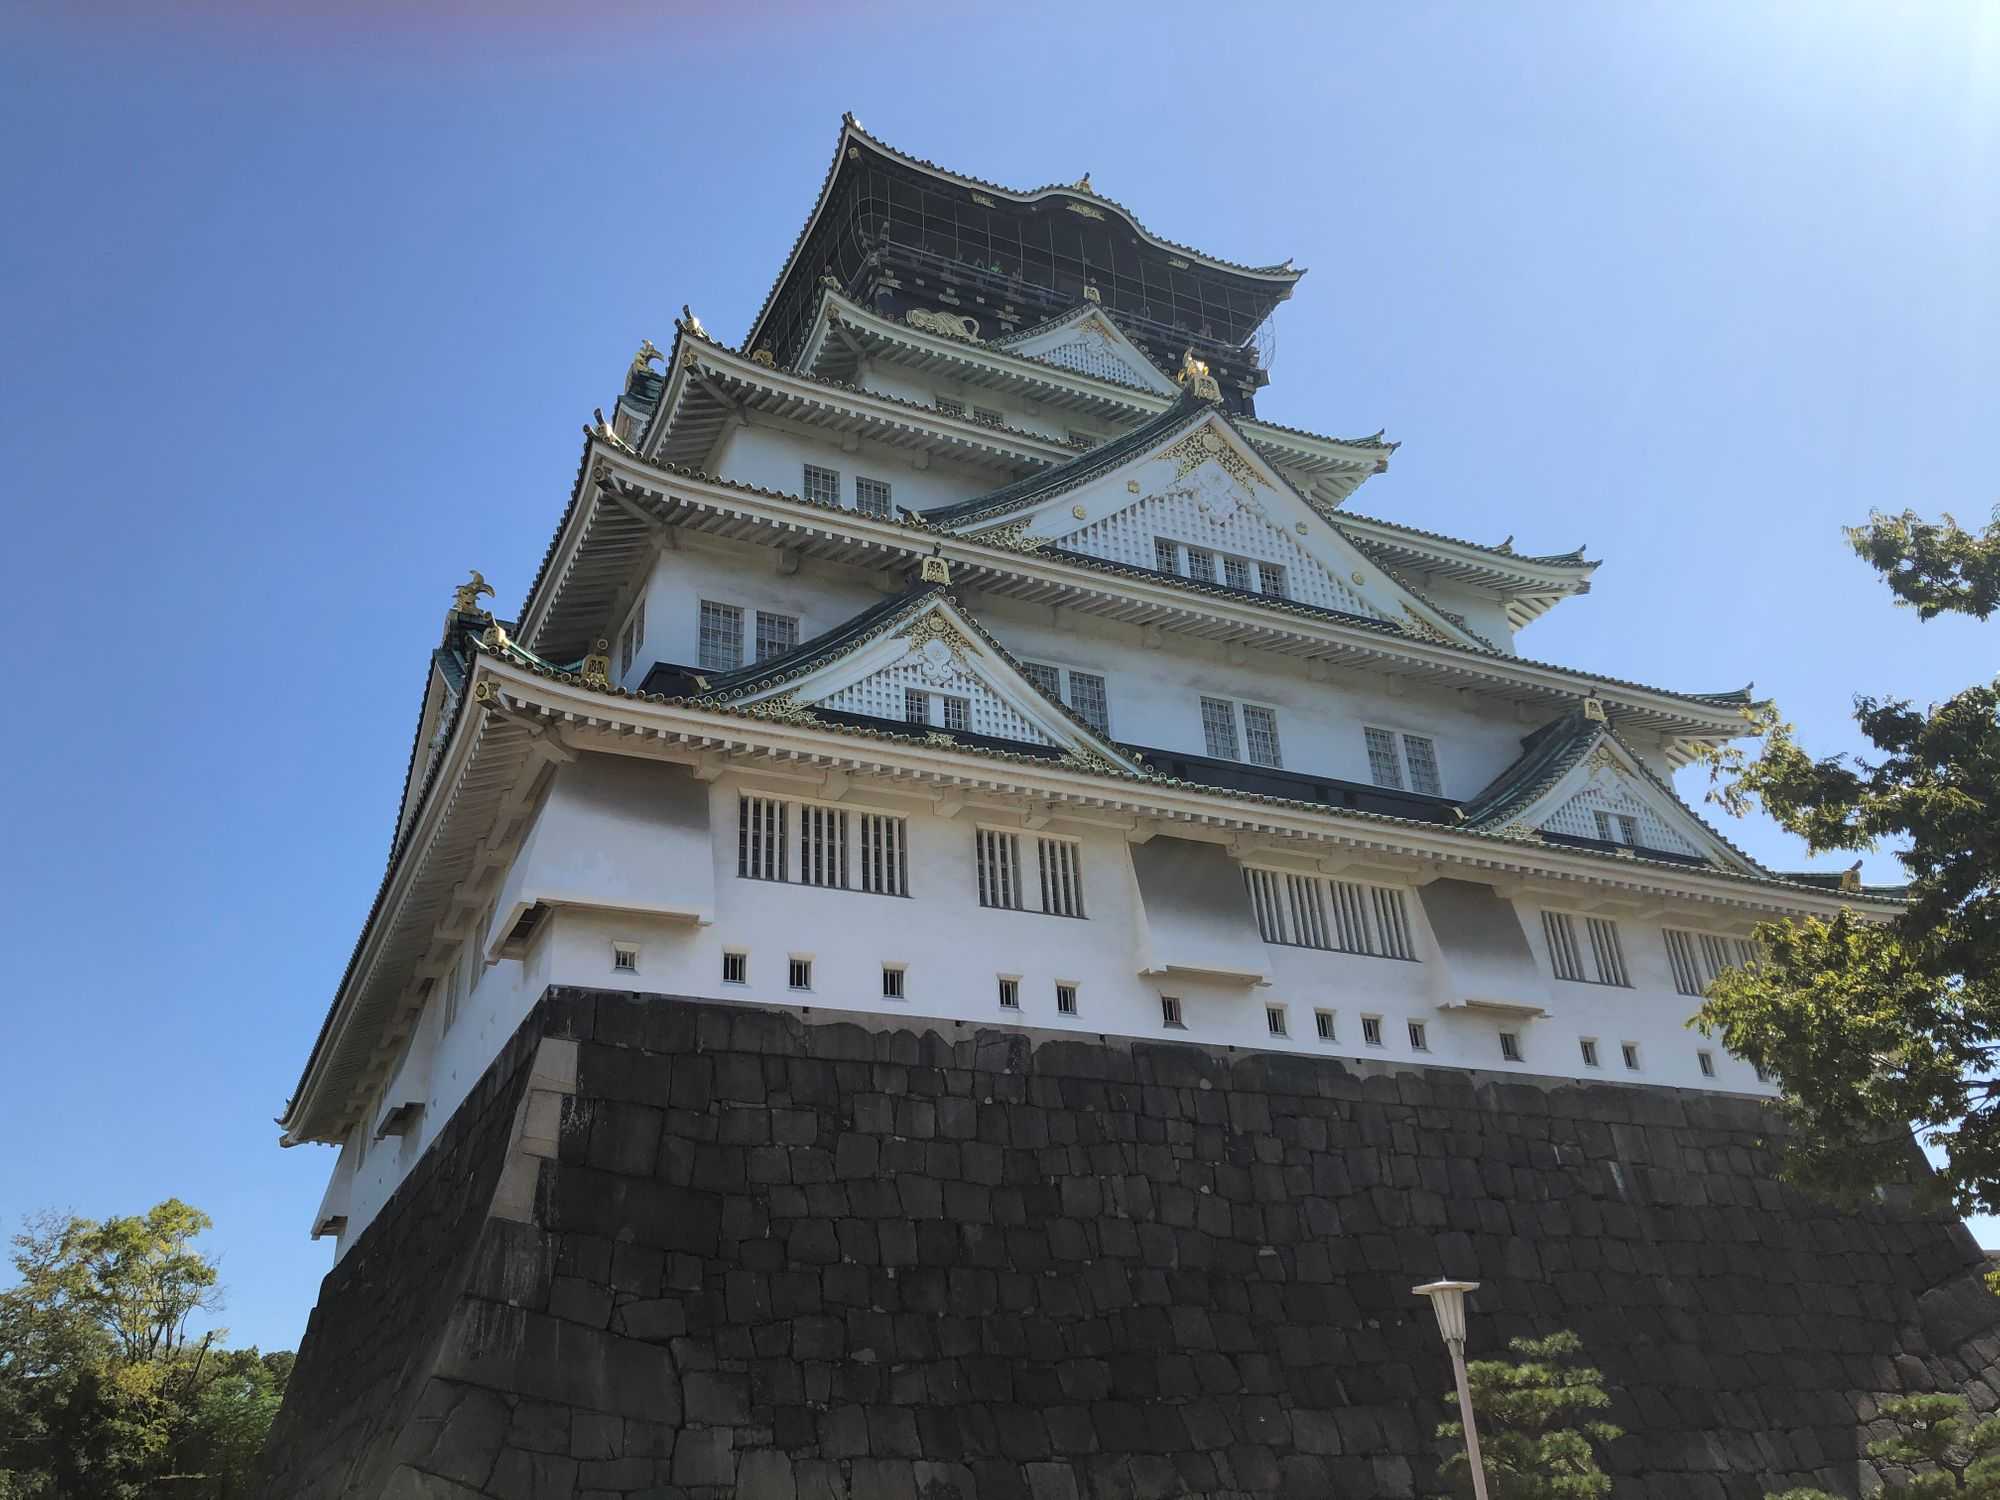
(643, 360)
(783, 708)
(764, 357)
(1207, 446)
(1078, 511)
(597, 666)
(1194, 376)
(1014, 537)
(936, 570)
(950, 325)
(465, 600)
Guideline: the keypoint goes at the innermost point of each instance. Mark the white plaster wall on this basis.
(1481, 611)
(1026, 416)
(954, 951)
(774, 457)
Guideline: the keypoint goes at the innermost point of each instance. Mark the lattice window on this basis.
(949, 406)
(800, 973)
(760, 838)
(986, 416)
(822, 485)
(1403, 761)
(1260, 736)
(893, 693)
(735, 968)
(1382, 763)
(1578, 819)
(892, 982)
(823, 846)
(1166, 555)
(776, 634)
(1061, 878)
(1218, 727)
(1201, 564)
(1616, 828)
(1236, 573)
(916, 706)
(1087, 696)
(633, 637)
(957, 712)
(883, 866)
(1045, 677)
(871, 497)
(1421, 755)
(720, 637)
(1343, 916)
(998, 857)
(1597, 959)
(1271, 579)
(1091, 357)
(1697, 957)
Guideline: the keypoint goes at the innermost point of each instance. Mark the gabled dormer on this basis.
(1578, 783)
(1089, 341)
(1186, 494)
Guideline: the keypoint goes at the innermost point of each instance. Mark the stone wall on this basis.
(732, 1251)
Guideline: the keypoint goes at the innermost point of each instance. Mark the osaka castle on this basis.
(961, 649)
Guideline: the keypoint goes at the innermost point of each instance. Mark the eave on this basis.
(623, 502)
(1529, 586)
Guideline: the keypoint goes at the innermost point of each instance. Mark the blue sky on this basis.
(303, 315)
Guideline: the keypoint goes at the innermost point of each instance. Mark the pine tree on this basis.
(1536, 1436)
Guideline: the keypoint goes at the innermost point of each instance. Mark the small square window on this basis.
(1589, 1046)
(1201, 564)
(1274, 1019)
(1510, 1046)
(1236, 573)
(735, 968)
(1707, 1062)
(1010, 993)
(1420, 1037)
(986, 416)
(1323, 1023)
(1066, 999)
(871, 497)
(802, 974)
(1631, 1052)
(720, 637)
(776, 634)
(950, 406)
(1166, 555)
(1371, 1030)
(625, 958)
(916, 706)
(957, 713)
(892, 982)
(822, 485)
(1170, 1013)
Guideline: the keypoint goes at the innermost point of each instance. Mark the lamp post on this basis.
(1448, 1301)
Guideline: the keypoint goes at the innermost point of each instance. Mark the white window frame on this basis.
(861, 850)
(1009, 991)
(1371, 1031)
(1065, 692)
(1584, 949)
(1170, 1013)
(1277, 1021)
(1510, 1047)
(1068, 997)
(795, 964)
(807, 477)
(1587, 1046)
(742, 958)
(1296, 910)
(1705, 1060)
(895, 982)
(863, 484)
(1420, 1036)
(757, 633)
(632, 637)
(624, 957)
(1002, 870)
(1406, 779)
(1632, 1057)
(950, 406)
(1697, 957)
(1326, 1025)
(1621, 828)
(702, 607)
(1240, 729)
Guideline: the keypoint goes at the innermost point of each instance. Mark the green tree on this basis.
(1940, 1448)
(104, 1391)
(1876, 1029)
(1537, 1438)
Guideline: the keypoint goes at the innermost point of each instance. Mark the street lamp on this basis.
(1448, 1301)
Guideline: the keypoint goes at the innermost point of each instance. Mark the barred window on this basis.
(986, 416)
(1598, 959)
(1323, 1023)
(1066, 999)
(957, 712)
(1201, 564)
(633, 637)
(1062, 882)
(776, 634)
(822, 485)
(951, 406)
(1698, 957)
(916, 706)
(1236, 573)
(1310, 911)
(1510, 1046)
(998, 857)
(1589, 1046)
(1218, 727)
(871, 497)
(883, 865)
(1010, 992)
(801, 973)
(1271, 579)
(1260, 736)
(823, 846)
(1631, 1052)
(1371, 1030)
(760, 838)
(1617, 828)
(720, 636)
(1420, 1037)
(1166, 555)
(892, 982)
(1274, 1020)
(1170, 1013)
(735, 968)
(1707, 1063)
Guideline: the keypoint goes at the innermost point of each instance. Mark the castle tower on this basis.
(981, 924)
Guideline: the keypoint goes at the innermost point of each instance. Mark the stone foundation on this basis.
(670, 1248)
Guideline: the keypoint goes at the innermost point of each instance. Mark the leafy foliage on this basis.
(1875, 1029)
(1536, 1436)
(1941, 1448)
(103, 1391)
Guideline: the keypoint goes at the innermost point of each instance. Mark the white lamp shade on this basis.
(1448, 1300)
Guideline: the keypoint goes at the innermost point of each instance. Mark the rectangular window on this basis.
(957, 712)
(1166, 555)
(823, 846)
(735, 968)
(1218, 727)
(1323, 1024)
(1510, 1046)
(1707, 1062)
(1697, 957)
(452, 983)
(1631, 1052)
(1236, 573)
(1010, 993)
(720, 637)
(1045, 677)
(1310, 911)
(1260, 736)
(1589, 1046)
(1201, 564)
(624, 958)
(1274, 1019)
(1062, 880)
(822, 485)
(1371, 1030)
(883, 864)
(1271, 580)
(801, 973)
(1383, 766)
(1087, 697)
(1170, 1013)
(950, 406)
(871, 497)
(986, 416)
(776, 634)
(892, 982)
(1421, 755)
(1415, 767)
(998, 856)
(916, 706)
(1066, 999)
(1420, 1037)
(1600, 961)
(760, 838)
(634, 636)
(1617, 828)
